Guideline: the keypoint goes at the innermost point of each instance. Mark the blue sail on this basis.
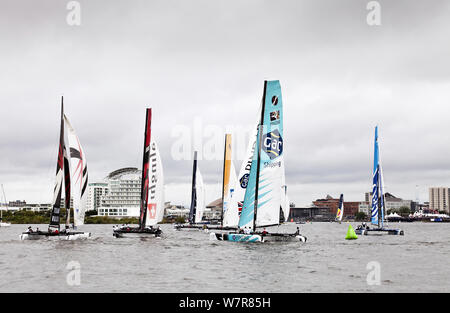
(269, 177)
(377, 196)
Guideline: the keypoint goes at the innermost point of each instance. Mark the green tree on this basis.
(361, 216)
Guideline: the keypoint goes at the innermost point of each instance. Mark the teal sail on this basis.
(377, 215)
(263, 196)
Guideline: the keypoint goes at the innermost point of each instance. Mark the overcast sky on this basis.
(202, 64)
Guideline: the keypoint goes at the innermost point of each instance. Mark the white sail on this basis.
(79, 175)
(244, 172)
(200, 196)
(230, 203)
(285, 205)
(155, 211)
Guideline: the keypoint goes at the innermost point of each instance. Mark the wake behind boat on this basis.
(152, 191)
(80, 181)
(378, 201)
(265, 189)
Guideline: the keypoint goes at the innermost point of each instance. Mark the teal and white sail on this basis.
(377, 215)
(264, 189)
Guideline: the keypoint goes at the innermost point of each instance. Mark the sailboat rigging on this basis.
(63, 177)
(152, 190)
(265, 193)
(3, 224)
(340, 210)
(378, 201)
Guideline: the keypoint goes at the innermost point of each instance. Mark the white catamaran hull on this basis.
(135, 235)
(77, 236)
(257, 238)
(379, 232)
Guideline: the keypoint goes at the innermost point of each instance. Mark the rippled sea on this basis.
(187, 261)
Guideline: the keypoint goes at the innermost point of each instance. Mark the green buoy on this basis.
(351, 233)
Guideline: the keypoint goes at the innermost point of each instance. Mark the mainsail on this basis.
(79, 176)
(197, 194)
(230, 213)
(62, 171)
(340, 210)
(263, 196)
(244, 172)
(377, 186)
(156, 191)
(145, 170)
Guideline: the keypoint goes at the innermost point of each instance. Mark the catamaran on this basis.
(152, 190)
(3, 224)
(197, 200)
(340, 210)
(378, 201)
(80, 181)
(265, 193)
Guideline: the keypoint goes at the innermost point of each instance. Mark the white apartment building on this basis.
(439, 198)
(95, 193)
(123, 196)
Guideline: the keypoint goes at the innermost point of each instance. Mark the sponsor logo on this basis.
(152, 210)
(274, 116)
(274, 100)
(244, 180)
(273, 144)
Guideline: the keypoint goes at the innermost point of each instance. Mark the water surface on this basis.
(187, 261)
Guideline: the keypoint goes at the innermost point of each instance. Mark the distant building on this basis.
(124, 194)
(297, 214)
(213, 210)
(17, 204)
(350, 207)
(95, 192)
(439, 199)
(391, 202)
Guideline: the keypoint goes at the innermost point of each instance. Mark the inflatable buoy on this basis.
(351, 233)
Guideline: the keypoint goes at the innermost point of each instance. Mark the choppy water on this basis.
(186, 261)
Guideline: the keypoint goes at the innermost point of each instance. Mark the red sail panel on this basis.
(145, 170)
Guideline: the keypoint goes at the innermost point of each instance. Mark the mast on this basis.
(145, 170)
(192, 212)
(226, 171)
(56, 209)
(258, 162)
(4, 198)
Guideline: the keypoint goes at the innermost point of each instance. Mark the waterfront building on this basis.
(439, 198)
(391, 202)
(350, 207)
(124, 194)
(95, 192)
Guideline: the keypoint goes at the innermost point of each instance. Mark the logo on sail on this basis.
(273, 144)
(244, 180)
(274, 116)
(274, 100)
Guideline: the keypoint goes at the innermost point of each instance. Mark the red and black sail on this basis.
(145, 170)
